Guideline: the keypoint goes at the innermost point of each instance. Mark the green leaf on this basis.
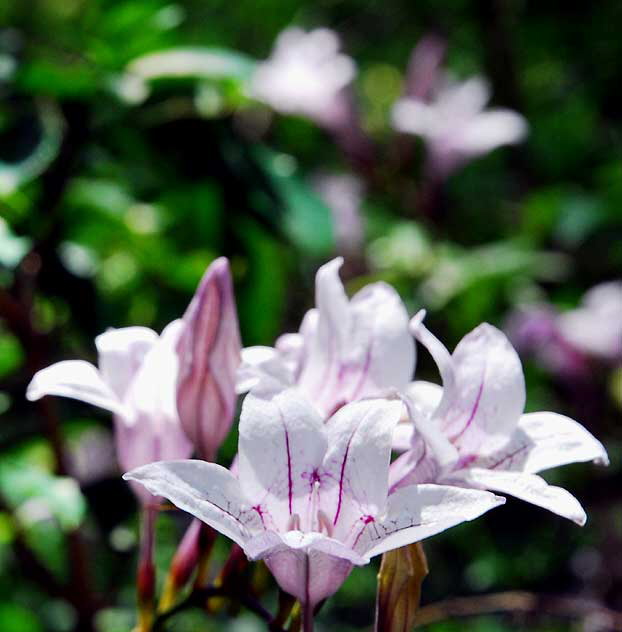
(59, 79)
(307, 219)
(17, 618)
(11, 353)
(35, 494)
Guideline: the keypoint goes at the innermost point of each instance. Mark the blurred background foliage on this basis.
(131, 155)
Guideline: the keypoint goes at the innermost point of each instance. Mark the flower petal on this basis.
(209, 356)
(309, 566)
(380, 327)
(424, 398)
(76, 379)
(328, 339)
(205, 490)
(491, 129)
(528, 487)
(120, 355)
(354, 349)
(417, 512)
(417, 465)
(263, 367)
(484, 387)
(153, 433)
(354, 476)
(544, 440)
(281, 447)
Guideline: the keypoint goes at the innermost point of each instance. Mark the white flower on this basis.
(136, 380)
(595, 328)
(312, 498)
(473, 432)
(304, 73)
(454, 123)
(345, 349)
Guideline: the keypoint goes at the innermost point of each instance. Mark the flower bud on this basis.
(209, 354)
(402, 572)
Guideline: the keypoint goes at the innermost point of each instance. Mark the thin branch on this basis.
(567, 607)
(199, 597)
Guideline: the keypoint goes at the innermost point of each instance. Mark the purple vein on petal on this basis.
(364, 373)
(341, 476)
(509, 456)
(475, 407)
(289, 465)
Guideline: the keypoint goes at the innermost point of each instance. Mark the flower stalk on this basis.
(145, 579)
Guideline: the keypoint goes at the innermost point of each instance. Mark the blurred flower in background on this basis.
(454, 123)
(343, 194)
(568, 343)
(305, 75)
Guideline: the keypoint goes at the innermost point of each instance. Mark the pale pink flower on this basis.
(305, 75)
(343, 194)
(346, 349)
(454, 123)
(472, 431)
(135, 381)
(568, 343)
(312, 498)
(595, 327)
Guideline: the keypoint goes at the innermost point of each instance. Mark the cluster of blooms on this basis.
(307, 75)
(313, 491)
(569, 343)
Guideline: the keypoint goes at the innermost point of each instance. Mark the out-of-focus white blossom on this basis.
(567, 343)
(595, 328)
(343, 194)
(455, 124)
(304, 74)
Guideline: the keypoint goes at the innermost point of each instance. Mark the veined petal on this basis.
(120, 354)
(417, 512)
(381, 354)
(309, 566)
(529, 487)
(281, 447)
(544, 440)
(348, 350)
(417, 465)
(354, 476)
(209, 355)
(205, 490)
(485, 392)
(559, 440)
(329, 340)
(76, 379)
